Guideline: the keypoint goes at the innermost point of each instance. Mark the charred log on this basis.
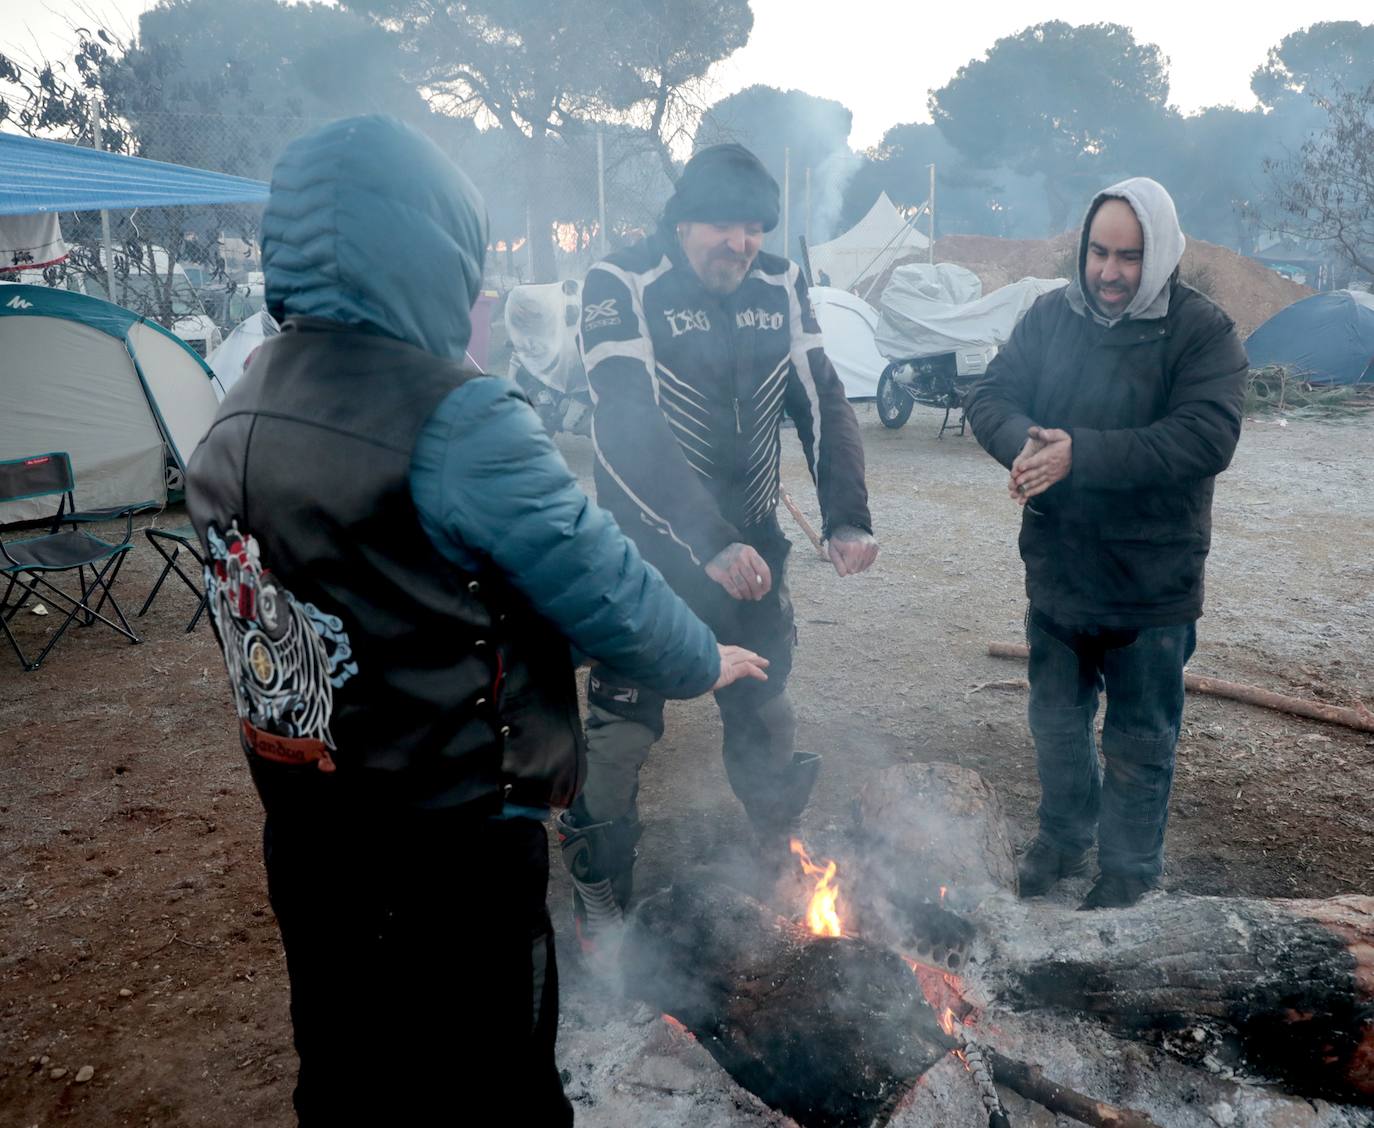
(1292, 981)
(831, 1032)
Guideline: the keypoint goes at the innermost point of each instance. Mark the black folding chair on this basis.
(176, 539)
(26, 565)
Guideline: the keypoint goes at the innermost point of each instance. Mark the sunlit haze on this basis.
(880, 58)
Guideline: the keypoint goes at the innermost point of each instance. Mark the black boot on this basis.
(1043, 865)
(600, 857)
(1115, 891)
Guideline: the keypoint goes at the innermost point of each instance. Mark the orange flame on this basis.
(947, 1023)
(822, 914)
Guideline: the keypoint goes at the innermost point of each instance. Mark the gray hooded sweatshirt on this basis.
(1164, 243)
(1152, 401)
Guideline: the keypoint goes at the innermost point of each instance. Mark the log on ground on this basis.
(1292, 980)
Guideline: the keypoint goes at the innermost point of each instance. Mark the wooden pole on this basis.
(1357, 717)
(806, 527)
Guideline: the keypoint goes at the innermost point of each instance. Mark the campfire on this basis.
(941, 989)
(912, 951)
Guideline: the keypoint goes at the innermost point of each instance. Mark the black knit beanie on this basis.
(724, 184)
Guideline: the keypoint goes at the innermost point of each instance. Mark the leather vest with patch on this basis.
(362, 661)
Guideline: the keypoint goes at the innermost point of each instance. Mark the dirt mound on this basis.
(1250, 292)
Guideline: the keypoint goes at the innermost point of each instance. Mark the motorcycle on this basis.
(931, 380)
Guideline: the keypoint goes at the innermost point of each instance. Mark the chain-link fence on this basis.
(197, 270)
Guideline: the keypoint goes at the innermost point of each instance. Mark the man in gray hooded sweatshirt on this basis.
(1114, 405)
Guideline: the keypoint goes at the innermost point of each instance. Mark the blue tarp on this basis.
(1325, 339)
(48, 176)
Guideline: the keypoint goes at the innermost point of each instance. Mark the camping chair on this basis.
(26, 564)
(176, 539)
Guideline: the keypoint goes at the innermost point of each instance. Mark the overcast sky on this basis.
(881, 57)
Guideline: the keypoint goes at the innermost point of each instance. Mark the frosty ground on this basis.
(135, 936)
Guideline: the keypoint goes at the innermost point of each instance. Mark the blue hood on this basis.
(369, 224)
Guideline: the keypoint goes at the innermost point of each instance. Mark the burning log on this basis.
(830, 1031)
(1292, 982)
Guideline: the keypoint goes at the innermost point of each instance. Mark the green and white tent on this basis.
(126, 399)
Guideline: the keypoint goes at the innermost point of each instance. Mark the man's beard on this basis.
(1111, 300)
(725, 272)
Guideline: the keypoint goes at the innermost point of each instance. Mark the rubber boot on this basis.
(600, 858)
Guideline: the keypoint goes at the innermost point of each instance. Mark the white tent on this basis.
(125, 398)
(233, 354)
(868, 248)
(847, 327)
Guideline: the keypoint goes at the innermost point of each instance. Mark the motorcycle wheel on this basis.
(894, 405)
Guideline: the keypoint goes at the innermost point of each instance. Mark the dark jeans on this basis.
(1142, 674)
(421, 958)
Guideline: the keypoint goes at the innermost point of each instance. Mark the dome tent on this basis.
(1326, 339)
(126, 399)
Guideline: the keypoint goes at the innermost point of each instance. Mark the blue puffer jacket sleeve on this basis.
(490, 485)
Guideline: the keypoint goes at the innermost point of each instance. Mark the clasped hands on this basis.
(1046, 459)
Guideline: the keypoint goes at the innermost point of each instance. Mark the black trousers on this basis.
(423, 984)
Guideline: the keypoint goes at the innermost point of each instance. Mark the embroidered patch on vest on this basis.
(285, 658)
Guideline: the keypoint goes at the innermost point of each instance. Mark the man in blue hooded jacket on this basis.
(399, 561)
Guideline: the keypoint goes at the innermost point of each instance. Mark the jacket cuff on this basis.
(1010, 438)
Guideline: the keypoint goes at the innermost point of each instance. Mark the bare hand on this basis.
(1046, 459)
(852, 550)
(741, 571)
(736, 663)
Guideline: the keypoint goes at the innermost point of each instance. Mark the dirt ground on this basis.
(135, 935)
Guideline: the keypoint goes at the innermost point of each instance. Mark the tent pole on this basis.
(786, 196)
(932, 214)
(108, 251)
(601, 189)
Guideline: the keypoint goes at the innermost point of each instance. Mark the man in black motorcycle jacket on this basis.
(695, 343)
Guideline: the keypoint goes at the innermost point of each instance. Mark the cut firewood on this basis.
(1356, 717)
(1293, 980)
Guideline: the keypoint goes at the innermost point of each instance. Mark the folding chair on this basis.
(27, 564)
(176, 539)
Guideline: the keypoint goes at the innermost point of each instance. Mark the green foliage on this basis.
(1316, 62)
(545, 71)
(1071, 103)
(1278, 389)
(969, 198)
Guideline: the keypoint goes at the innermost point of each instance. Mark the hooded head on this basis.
(1129, 249)
(724, 202)
(370, 225)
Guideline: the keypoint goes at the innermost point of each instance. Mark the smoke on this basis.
(829, 180)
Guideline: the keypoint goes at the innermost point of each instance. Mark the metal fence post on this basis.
(104, 215)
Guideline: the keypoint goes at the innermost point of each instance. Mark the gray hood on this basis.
(1164, 243)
